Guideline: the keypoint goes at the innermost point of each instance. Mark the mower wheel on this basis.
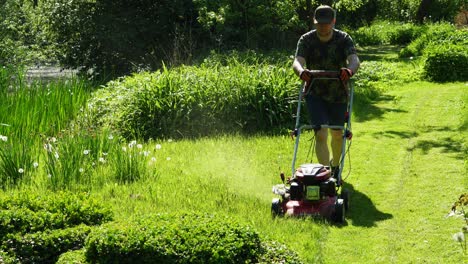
(339, 215)
(276, 208)
(345, 196)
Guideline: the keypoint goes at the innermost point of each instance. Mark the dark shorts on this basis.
(322, 112)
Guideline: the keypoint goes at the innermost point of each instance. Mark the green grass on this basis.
(408, 166)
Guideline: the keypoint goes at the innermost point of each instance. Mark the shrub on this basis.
(197, 101)
(440, 32)
(445, 63)
(403, 34)
(386, 32)
(46, 246)
(185, 238)
(73, 256)
(6, 258)
(23, 212)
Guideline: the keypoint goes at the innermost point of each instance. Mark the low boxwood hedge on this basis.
(185, 238)
(23, 212)
(46, 246)
(446, 63)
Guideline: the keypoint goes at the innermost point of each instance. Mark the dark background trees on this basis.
(117, 37)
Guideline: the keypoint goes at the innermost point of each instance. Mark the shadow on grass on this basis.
(364, 110)
(362, 211)
(378, 53)
(448, 145)
(396, 134)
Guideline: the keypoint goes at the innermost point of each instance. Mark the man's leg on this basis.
(336, 145)
(321, 146)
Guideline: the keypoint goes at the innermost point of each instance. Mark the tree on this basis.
(423, 10)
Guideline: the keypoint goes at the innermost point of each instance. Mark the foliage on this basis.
(459, 208)
(115, 37)
(442, 33)
(22, 213)
(38, 228)
(46, 246)
(185, 101)
(446, 62)
(387, 32)
(186, 238)
(73, 256)
(23, 38)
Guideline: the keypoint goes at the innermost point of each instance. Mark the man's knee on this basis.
(321, 135)
(337, 134)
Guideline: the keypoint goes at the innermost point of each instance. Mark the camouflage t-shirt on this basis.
(328, 56)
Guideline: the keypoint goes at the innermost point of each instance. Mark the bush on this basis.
(197, 101)
(6, 258)
(47, 246)
(37, 229)
(440, 32)
(185, 238)
(73, 256)
(23, 212)
(386, 32)
(446, 63)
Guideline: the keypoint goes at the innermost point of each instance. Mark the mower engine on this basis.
(311, 192)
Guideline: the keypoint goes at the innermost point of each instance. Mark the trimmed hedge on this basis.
(24, 213)
(47, 246)
(39, 228)
(446, 63)
(73, 256)
(186, 238)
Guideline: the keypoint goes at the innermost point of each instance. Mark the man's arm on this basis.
(353, 63)
(298, 65)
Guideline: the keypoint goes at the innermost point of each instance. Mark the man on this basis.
(326, 48)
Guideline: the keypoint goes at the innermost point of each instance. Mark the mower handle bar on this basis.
(320, 74)
(322, 126)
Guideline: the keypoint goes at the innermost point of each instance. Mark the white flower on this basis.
(104, 153)
(102, 160)
(35, 164)
(110, 137)
(158, 146)
(168, 158)
(124, 149)
(169, 140)
(20, 170)
(3, 138)
(459, 237)
(56, 155)
(48, 147)
(86, 151)
(49, 176)
(53, 139)
(81, 170)
(139, 146)
(132, 143)
(153, 159)
(146, 153)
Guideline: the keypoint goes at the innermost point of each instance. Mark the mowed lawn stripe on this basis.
(407, 171)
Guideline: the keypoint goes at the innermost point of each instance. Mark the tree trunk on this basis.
(423, 10)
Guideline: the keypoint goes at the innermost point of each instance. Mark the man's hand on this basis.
(345, 74)
(306, 75)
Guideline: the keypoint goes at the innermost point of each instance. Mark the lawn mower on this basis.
(313, 189)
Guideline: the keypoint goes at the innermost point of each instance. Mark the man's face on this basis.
(324, 30)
